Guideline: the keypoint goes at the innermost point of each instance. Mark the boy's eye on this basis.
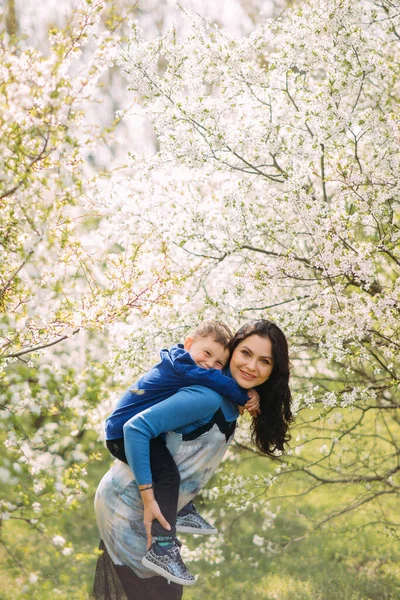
(206, 352)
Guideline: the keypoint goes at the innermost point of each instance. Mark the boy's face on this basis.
(206, 352)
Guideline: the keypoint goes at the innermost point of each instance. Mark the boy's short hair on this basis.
(217, 330)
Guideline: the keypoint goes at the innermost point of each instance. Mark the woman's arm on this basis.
(185, 411)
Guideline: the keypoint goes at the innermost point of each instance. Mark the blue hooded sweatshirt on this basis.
(176, 370)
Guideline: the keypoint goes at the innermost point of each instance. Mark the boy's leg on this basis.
(116, 447)
(190, 521)
(186, 510)
(164, 557)
(166, 482)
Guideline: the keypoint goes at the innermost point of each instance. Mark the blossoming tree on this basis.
(63, 272)
(278, 169)
(272, 193)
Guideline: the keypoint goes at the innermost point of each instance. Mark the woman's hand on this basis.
(151, 511)
(253, 405)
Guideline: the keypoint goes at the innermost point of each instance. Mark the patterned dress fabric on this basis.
(118, 504)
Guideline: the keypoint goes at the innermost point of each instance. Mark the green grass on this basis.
(324, 567)
(347, 562)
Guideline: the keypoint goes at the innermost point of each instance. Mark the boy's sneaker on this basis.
(168, 563)
(194, 523)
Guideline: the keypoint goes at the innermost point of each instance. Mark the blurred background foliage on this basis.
(290, 528)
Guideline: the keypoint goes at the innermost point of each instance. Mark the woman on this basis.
(198, 435)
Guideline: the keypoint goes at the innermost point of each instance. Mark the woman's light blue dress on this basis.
(118, 504)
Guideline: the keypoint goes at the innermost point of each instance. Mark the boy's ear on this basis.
(187, 344)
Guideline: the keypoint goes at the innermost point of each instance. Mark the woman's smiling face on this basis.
(252, 361)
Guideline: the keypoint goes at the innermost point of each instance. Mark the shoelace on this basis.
(180, 562)
(177, 556)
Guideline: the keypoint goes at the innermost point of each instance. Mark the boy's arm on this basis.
(190, 406)
(191, 374)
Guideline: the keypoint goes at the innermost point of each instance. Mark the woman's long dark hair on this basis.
(269, 431)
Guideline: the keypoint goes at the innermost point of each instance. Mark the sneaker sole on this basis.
(163, 573)
(187, 529)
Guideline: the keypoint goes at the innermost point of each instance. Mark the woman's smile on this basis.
(246, 375)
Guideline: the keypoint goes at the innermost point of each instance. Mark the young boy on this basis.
(199, 361)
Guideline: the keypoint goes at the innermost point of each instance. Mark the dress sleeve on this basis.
(185, 411)
(214, 379)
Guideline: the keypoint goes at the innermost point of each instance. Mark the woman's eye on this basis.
(245, 352)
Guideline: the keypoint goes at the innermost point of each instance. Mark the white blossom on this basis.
(58, 540)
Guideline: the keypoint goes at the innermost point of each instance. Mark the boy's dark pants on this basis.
(166, 481)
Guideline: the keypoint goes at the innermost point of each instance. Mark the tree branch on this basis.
(29, 167)
(40, 347)
(7, 285)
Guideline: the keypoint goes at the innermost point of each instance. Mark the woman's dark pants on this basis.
(117, 582)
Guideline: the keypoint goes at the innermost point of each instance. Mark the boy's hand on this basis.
(253, 405)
